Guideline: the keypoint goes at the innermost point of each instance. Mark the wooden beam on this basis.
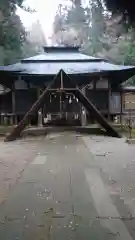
(83, 99)
(13, 98)
(35, 107)
(92, 109)
(121, 107)
(98, 116)
(109, 101)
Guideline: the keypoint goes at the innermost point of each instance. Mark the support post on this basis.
(35, 107)
(13, 104)
(121, 106)
(61, 101)
(91, 108)
(109, 101)
(15, 120)
(11, 120)
(100, 119)
(1, 119)
(19, 128)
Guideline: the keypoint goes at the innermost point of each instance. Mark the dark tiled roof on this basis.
(70, 60)
(68, 67)
(61, 54)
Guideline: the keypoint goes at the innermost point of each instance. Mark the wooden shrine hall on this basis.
(62, 83)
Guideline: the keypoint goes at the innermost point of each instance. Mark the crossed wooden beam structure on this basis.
(62, 83)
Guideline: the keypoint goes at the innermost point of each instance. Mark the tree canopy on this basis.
(124, 7)
(98, 31)
(12, 33)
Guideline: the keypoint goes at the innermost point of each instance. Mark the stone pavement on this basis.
(71, 187)
(14, 156)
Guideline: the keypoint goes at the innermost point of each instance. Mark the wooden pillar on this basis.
(94, 90)
(1, 120)
(28, 89)
(15, 120)
(13, 106)
(98, 116)
(11, 120)
(35, 107)
(109, 101)
(13, 98)
(121, 106)
(40, 115)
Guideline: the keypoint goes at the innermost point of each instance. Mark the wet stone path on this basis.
(71, 190)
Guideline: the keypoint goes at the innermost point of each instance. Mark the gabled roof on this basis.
(51, 68)
(61, 54)
(72, 61)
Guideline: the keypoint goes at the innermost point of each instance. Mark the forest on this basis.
(14, 44)
(104, 28)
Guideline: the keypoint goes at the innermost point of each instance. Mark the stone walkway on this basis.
(68, 187)
(14, 157)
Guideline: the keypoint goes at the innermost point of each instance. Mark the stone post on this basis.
(40, 115)
(40, 123)
(83, 110)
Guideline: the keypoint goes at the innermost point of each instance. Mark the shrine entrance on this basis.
(66, 90)
(61, 109)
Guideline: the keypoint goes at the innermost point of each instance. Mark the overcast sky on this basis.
(46, 10)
